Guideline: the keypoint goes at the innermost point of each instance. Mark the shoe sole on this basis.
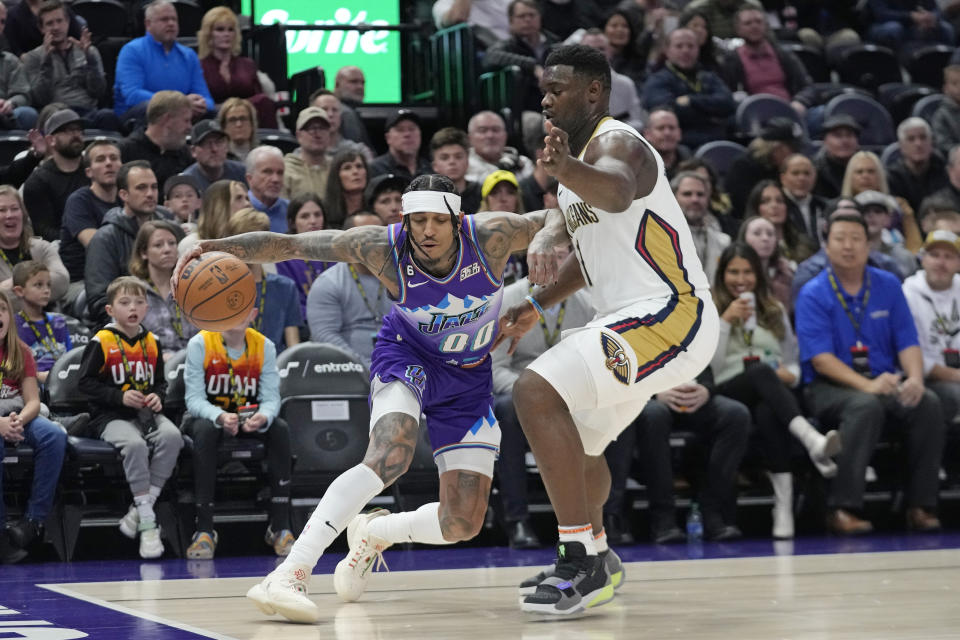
(595, 598)
(833, 444)
(126, 530)
(258, 595)
(203, 555)
(616, 579)
(352, 532)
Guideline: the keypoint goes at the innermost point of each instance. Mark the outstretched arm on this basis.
(501, 234)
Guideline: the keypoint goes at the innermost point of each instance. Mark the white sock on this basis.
(144, 506)
(582, 533)
(154, 493)
(806, 433)
(343, 500)
(422, 525)
(600, 540)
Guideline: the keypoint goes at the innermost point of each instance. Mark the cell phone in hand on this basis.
(246, 412)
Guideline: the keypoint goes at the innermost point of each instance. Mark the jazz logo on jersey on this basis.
(615, 359)
(470, 271)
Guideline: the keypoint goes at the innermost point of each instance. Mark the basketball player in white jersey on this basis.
(656, 325)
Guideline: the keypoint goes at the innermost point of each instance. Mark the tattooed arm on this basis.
(541, 233)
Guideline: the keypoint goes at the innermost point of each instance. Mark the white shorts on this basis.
(607, 370)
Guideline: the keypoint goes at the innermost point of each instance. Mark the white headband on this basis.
(429, 202)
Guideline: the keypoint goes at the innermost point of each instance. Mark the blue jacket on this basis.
(145, 67)
(713, 102)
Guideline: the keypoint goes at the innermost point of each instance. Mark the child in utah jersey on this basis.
(444, 270)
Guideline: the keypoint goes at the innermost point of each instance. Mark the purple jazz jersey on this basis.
(436, 340)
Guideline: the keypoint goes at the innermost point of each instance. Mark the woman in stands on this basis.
(865, 172)
(756, 363)
(152, 260)
(626, 55)
(761, 235)
(698, 22)
(238, 119)
(229, 75)
(220, 201)
(20, 422)
(304, 213)
(767, 200)
(501, 192)
(345, 186)
(18, 244)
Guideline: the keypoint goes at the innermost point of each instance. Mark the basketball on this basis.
(216, 291)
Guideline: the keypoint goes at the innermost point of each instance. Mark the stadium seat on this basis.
(12, 143)
(755, 111)
(267, 45)
(454, 72)
(501, 92)
(869, 66)
(323, 392)
(926, 107)
(89, 135)
(107, 18)
(189, 15)
(899, 98)
(813, 60)
(720, 154)
(283, 140)
(62, 384)
(875, 122)
(176, 402)
(303, 84)
(925, 65)
(891, 153)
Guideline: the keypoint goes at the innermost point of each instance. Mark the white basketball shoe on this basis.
(284, 591)
(351, 574)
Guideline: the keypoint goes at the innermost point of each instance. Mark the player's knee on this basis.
(459, 527)
(392, 443)
(531, 388)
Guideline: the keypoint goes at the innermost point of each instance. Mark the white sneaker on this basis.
(284, 591)
(130, 522)
(151, 546)
(822, 455)
(351, 574)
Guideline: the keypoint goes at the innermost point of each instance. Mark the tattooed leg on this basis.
(392, 443)
(463, 503)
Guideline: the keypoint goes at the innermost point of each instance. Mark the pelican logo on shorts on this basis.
(616, 359)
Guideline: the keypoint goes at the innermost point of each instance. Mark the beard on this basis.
(71, 150)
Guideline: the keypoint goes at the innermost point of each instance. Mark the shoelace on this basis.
(377, 563)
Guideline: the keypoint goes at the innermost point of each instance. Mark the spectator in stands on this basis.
(265, 169)
(779, 138)
(449, 156)
(304, 214)
(15, 109)
(45, 334)
(798, 177)
(306, 168)
(489, 150)
(719, 202)
(840, 141)
(537, 185)
(338, 114)
(624, 101)
(768, 201)
(68, 70)
(487, 15)
(402, 133)
(226, 72)
(722, 14)
(761, 235)
(345, 187)
(84, 211)
(347, 303)
(22, 424)
(17, 243)
(157, 62)
(152, 259)
(164, 142)
(933, 295)
(23, 26)
(862, 363)
(865, 172)
(526, 48)
(950, 194)
(899, 21)
(878, 209)
(350, 85)
(939, 215)
(277, 318)
(563, 18)
(701, 100)
(693, 195)
(511, 474)
(46, 190)
(946, 119)
(208, 146)
(220, 201)
(710, 53)
(627, 55)
(756, 364)
(182, 197)
(126, 396)
(108, 252)
(918, 171)
(501, 192)
(218, 410)
(238, 119)
(382, 197)
(663, 133)
(721, 427)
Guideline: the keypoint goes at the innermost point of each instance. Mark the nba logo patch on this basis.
(615, 359)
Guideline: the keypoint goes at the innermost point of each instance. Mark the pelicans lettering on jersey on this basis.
(142, 364)
(245, 387)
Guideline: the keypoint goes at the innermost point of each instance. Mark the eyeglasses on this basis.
(238, 120)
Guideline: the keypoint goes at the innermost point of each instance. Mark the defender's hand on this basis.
(514, 323)
(556, 150)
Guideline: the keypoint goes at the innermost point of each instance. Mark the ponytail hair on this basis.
(13, 364)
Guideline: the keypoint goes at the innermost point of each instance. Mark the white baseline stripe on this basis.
(56, 588)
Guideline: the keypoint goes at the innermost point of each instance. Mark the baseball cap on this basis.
(176, 181)
(60, 119)
(381, 183)
(942, 236)
(402, 114)
(496, 178)
(875, 198)
(841, 120)
(782, 130)
(311, 113)
(203, 129)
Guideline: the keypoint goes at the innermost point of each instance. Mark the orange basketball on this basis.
(216, 291)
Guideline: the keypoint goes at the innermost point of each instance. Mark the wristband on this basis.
(536, 305)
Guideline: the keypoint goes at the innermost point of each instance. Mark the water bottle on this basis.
(694, 524)
(750, 323)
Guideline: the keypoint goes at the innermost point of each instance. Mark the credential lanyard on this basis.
(855, 321)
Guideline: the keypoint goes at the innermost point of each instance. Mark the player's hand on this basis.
(514, 323)
(556, 150)
(153, 402)
(182, 263)
(543, 259)
(254, 423)
(230, 422)
(133, 399)
(910, 392)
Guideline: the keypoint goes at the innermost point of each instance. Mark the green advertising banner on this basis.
(376, 52)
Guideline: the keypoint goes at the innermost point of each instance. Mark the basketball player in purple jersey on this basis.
(444, 270)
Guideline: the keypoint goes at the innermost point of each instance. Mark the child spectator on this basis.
(233, 390)
(46, 334)
(122, 376)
